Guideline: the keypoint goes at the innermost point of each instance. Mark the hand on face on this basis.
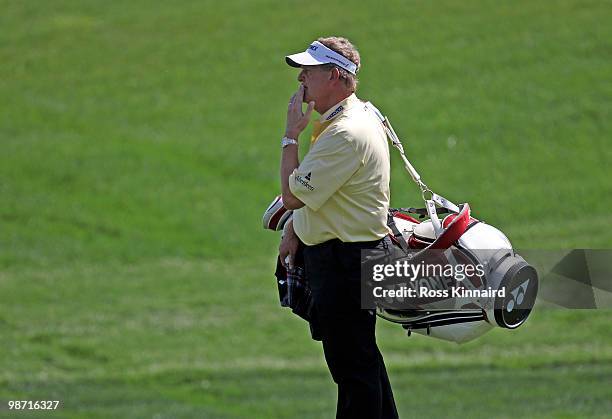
(297, 120)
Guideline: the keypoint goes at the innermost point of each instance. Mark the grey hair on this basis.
(345, 48)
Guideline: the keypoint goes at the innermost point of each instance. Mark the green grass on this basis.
(139, 147)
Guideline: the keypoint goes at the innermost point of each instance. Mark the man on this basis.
(340, 197)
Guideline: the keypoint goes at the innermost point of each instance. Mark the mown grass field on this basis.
(139, 147)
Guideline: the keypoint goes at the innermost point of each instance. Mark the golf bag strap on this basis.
(422, 212)
(395, 141)
(397, 235)
(445, 203)
(433, 216)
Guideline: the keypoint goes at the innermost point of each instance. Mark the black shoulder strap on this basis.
(397, 235)
(422, 212)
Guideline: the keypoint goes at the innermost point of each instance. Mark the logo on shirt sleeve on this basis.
(305, 181)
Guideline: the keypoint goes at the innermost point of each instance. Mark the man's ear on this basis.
(334, 74)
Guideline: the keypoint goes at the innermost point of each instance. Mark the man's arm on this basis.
(296, 123)
(289, 162)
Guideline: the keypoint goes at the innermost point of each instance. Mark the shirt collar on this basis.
(338, 108)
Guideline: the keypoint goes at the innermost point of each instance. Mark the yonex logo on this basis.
(307, 177)
(518, 294)
(313, 47)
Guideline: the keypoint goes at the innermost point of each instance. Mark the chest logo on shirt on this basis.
(307, 177)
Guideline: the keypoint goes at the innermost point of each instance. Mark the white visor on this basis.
(318, 54)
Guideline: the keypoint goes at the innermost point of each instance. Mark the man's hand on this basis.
(297, 121)
(289, 245)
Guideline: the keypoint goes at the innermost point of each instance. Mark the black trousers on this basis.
(348, 332)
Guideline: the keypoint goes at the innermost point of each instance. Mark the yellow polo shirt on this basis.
(344, 179)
